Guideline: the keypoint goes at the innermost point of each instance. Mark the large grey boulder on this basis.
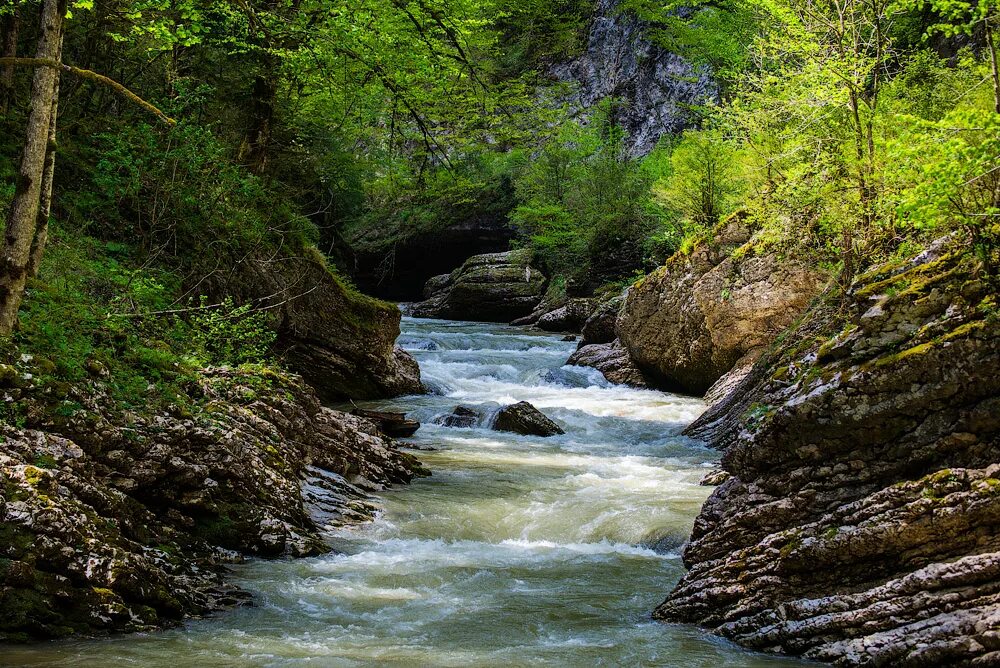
(496, 287)
(612, 360)
(704, 313)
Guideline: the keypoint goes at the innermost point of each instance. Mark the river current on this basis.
(518, 551)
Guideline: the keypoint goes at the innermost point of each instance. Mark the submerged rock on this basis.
(861, 521)
(124, 523)
(704, 313)
(462, 417)
(497, 287)
(523, 418)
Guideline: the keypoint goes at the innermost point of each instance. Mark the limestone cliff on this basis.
(861, 520)
(658, 89)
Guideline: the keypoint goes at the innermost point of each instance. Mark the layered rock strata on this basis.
(860, 523)
(125, 522)
(496, 287)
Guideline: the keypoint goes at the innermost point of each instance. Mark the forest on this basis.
(787, 210)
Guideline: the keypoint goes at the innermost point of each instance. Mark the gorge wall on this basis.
(860, 523)
(657, 88)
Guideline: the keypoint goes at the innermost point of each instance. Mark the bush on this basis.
(230, 334)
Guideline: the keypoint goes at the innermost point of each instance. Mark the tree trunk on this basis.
(257, 143)
(48, 174)
(10, 26)
(23, 216)
(994, 66)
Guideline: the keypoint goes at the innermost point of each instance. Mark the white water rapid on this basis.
(519, 551)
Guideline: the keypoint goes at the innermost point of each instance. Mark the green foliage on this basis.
(954, 166)
(700, 180)
(177, 191)
(231, 334)
(585, 208)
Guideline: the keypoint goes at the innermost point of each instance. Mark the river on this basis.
(518, 551)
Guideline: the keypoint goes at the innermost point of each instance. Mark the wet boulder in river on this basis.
(461, 417)
(495, 287)
(523, 418)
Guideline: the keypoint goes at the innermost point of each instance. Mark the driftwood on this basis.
(392, 424)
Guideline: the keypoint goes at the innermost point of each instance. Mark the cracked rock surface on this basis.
(860, 522)
(111, 524)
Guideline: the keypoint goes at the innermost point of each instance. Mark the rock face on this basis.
(659, 88)
(496, 287)
(121, 528)
(523, 418)
(568, 318)
(861, 524)
(700, 315)
(342, 342)
(602, 324)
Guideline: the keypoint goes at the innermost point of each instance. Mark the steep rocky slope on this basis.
(705, 312)
(860, 523)
(496, 287)
(341, 341)
(121, 521)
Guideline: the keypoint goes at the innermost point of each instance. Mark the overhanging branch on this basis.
(91, 76)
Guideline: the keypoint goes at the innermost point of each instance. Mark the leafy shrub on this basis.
(231, 334)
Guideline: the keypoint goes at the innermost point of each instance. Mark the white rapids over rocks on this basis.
(519, 551)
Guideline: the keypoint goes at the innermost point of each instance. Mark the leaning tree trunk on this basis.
(10, 25)
(19, 233)
(48, 174)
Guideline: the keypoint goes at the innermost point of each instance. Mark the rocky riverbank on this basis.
(860, 520)
(117, 522)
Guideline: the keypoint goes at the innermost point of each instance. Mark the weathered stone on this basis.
(568, 318)
(601, 326)
(523, 418)
(342, 342)
(861, 524)
(695, 318)
(497, 287)
(112, 523)
(658, 88)
(612, 360)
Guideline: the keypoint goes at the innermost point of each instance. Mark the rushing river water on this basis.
(518, 551)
